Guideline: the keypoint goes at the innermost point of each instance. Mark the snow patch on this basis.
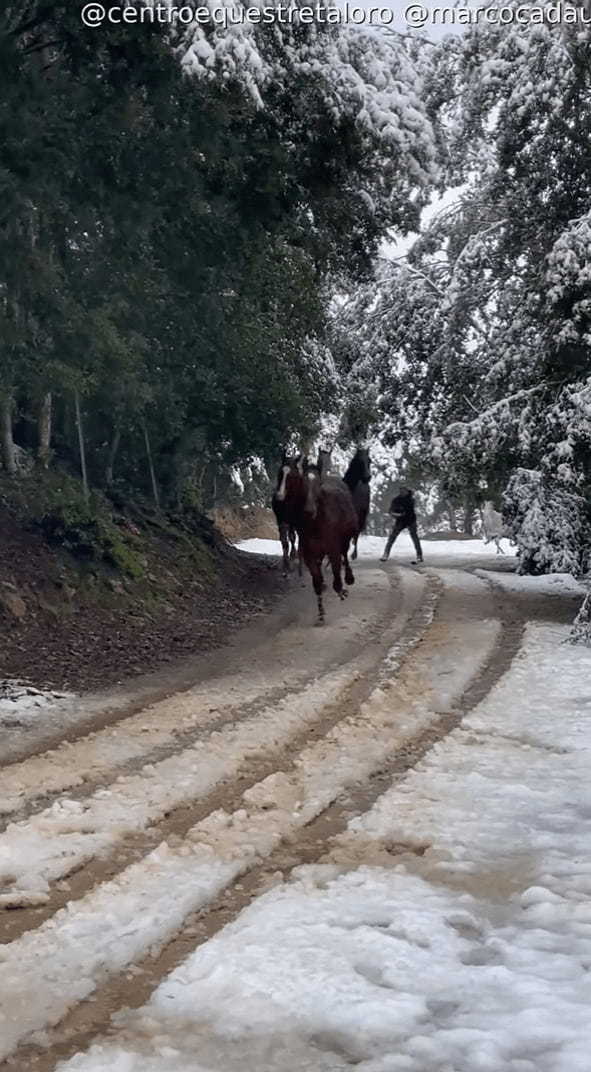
(549, 584)
(21, 703)
(373, 547)
(48, 970)
(474, 954)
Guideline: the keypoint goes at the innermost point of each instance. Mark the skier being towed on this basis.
(402, 509)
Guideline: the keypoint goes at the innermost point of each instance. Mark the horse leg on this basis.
(284, 537)
(321, 568)
(292, 540)
(335, 564)
(315, 567)
(354, 555)
(499, 548)
(349, 577)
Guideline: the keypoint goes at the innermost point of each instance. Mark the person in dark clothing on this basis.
(402, 509)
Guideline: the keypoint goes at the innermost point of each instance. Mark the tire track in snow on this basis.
(106, 840)
(164, 728)
(263, 646)
(89, 1019)
(251, 835)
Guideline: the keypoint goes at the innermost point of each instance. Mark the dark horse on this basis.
(325, 520)
(285, 521)
(357, 480)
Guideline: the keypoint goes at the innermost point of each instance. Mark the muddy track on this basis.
(372, 643)
(310, 845)
(228, 794)
(182, 738)
(505, 649)
(116, 705)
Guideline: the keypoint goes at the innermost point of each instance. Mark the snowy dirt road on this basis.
(127, 848)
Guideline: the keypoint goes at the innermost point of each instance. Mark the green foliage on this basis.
(118, 552)
(88, 531)
(169, 247)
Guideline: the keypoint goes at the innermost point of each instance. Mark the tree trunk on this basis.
(115, 441)
(151, 468)
(451, 517)
(468, 524)
(44, 451)
(8, 452)
(81, 445)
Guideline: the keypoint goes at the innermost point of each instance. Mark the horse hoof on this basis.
(319, 621)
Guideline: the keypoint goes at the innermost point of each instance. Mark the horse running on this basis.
(285, 521)
(325, 520)
(357, 480)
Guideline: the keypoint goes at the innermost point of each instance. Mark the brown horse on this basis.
(325, 520)
(285, 520)
(357, 480)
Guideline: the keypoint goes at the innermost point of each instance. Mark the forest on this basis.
(194, 263)
(278, 793)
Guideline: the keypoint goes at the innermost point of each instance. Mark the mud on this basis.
(418, 638)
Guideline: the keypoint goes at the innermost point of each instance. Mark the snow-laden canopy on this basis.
(361, 77)
(477, 343)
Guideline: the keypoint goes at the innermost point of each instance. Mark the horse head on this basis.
(358, 470)
(291, 479)
(311, 470)
(285, 468)
(299, 485)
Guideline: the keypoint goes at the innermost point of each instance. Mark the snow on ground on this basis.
(550, 584)
(54, 842)
(545, 701)
(373, 547)
(212, 701)
(21, 703)
(49, 969)
(471, 952)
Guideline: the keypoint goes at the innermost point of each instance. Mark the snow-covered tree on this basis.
(477, 343)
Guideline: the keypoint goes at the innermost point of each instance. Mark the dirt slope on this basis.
(74, 622)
